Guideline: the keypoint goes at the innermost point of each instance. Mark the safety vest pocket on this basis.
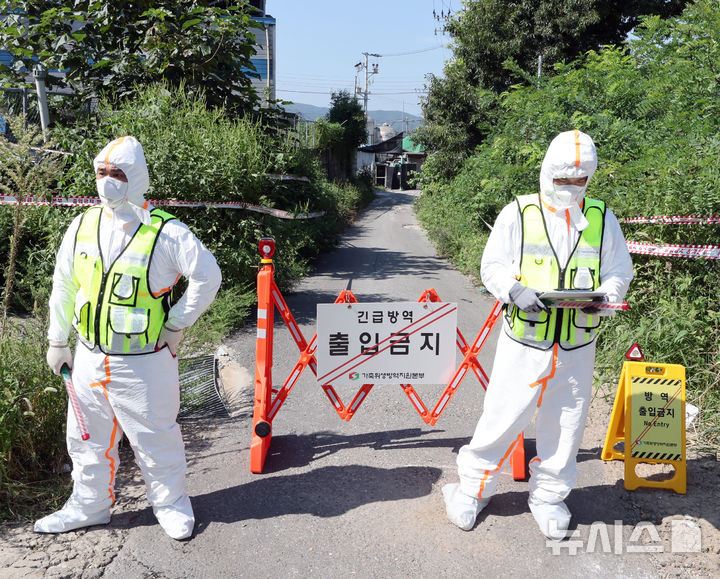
(82, 315)
(582, 278)
(583, 321)
(533, 318)
(124, 289)
(533, 326)
(128, 320)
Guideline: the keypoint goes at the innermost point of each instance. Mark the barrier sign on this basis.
(648, 417)
(656, 418)
(386, 343)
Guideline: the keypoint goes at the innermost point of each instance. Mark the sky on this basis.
(319, 42)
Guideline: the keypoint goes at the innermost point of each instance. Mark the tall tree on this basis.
(457, 116)
(488, 33)
(346, 111)
(114, 47)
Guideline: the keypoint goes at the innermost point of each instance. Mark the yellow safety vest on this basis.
(540, 270)
(116, 311)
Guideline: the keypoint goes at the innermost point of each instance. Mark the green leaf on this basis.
(188, 23)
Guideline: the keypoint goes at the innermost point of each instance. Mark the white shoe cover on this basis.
(552, 518)
(462, 509)
(71, 516)
(177, 520)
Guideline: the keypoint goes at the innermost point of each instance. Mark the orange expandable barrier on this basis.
(269, 400)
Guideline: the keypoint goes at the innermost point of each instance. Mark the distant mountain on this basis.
(307, 112)
(393, 118)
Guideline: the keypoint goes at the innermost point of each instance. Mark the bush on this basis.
(194, 154)
(24, 171)
(33, 403)
(653, 112)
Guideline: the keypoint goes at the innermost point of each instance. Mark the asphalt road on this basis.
(362, 498)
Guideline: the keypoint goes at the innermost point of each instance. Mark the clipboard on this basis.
(572, 295)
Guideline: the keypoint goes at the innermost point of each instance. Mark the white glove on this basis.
(169, 337)
(58, 355)
(526, 299)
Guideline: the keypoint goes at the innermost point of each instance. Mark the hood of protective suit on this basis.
(570, 154)
(127, 154)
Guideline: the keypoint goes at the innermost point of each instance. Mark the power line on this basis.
(382, 85)
(310, 91)
(415, 51)
(404, 92)
(335, 90)
(395, 78)
(298, 78)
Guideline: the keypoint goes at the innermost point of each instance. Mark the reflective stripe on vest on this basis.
(116, 311)
(540, 270)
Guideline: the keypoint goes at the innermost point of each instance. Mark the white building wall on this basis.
(264, 59)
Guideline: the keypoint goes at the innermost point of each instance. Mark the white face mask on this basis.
(569, 194)
(568, 197)
(112, 192)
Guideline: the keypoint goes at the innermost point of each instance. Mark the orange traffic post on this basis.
(517, 459)
(262, 426)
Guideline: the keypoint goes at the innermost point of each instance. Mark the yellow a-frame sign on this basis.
(649, 417)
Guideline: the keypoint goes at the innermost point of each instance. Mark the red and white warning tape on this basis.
(278, 177)
(675, 219)
(58, 201)
(689, 251)
(587, 304)
(692, 251)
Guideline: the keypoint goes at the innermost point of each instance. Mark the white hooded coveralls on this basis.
(135, 394)
(555, 382)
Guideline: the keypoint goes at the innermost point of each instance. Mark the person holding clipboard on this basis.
(543, 247)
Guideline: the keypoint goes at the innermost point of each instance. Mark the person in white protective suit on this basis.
(115, 268)
(544, 360)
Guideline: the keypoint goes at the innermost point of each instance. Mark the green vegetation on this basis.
(461, 106)
(654, 112)
(194, 152)
(117, 48)
(33, 405)
(344, 131)
(24, 174)
(32, 412)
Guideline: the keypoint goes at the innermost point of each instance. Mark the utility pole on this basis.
(39, 74)
(368, 73)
